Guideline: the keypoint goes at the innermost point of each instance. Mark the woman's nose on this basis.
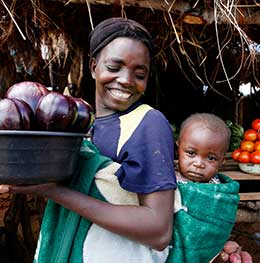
(126, 78)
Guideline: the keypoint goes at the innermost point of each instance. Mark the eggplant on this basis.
(55, 112)
(26, 114)
(27, 91)
(85, 116)
(15, 115)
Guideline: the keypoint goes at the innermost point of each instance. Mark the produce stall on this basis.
(249, 206)
(205, 50)
(242, 165)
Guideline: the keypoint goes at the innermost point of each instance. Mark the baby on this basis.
(205, 201)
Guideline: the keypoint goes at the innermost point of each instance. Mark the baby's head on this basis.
(203, 140)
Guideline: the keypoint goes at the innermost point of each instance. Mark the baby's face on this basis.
(201, 152)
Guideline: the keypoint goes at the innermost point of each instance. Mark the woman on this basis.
(121, 53)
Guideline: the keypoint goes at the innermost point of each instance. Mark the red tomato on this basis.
(257, 146)
(250, 135)
(247, 146)
(255, 157)
(236, 153)
(244, 157)
(258, 135)
(256, 124)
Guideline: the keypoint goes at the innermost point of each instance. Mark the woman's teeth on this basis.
(120, 94)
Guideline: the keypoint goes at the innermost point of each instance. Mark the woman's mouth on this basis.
(120, 94)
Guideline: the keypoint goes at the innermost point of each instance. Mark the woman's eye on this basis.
(112, 68)
(140, 76)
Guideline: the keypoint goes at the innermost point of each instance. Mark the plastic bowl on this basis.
(34, 157)
(250, 168)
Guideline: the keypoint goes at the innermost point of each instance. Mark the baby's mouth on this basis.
(120, 94)
(195, 175)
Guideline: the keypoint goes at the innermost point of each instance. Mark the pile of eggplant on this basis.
(30, 105)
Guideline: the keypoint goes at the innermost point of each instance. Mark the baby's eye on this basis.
(190, 153)
(212, 158)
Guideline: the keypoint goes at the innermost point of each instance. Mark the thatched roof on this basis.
(212, 46)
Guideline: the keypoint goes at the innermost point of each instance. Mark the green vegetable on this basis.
(229, 123)
(234, 143)
(237, 133)
(175, 131)
(237, 130)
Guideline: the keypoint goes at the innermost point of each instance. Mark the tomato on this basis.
(244, 157)
(256, 124)
(247, 146)
(257, 146)
(236, 153)
(250, 135)
(255, 157)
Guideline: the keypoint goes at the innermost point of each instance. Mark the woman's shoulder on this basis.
(157, 117)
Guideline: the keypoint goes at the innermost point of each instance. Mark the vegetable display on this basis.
(31, 106)
(249, 148)
(237, 133)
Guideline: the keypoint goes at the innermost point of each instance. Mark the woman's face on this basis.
(121, 73)
(201, 152)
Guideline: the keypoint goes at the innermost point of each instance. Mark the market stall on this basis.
(205, 51)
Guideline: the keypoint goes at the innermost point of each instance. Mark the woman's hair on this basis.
(208, 121)
(112, 28)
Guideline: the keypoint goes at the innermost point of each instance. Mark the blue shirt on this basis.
(147, 156)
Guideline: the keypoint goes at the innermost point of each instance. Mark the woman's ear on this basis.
(92, 66)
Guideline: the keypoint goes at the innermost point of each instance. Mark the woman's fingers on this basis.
(4, 188)
(246, 258)
(231, 247)
(235, 258)
(233, 253)
(224, 256)
(39, 189)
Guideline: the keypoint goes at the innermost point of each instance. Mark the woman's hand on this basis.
(232, 253)
(39, 189)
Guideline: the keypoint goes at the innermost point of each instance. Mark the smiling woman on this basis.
(113, 202)
(121, 52)
(121, 72)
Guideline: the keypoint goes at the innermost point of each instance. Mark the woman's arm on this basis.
(150, 223)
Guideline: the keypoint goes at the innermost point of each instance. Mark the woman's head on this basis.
(120, 57)
(203, 141)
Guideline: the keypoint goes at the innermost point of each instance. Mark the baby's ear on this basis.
(223, 161)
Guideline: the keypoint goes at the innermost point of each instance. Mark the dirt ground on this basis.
(246, 234)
